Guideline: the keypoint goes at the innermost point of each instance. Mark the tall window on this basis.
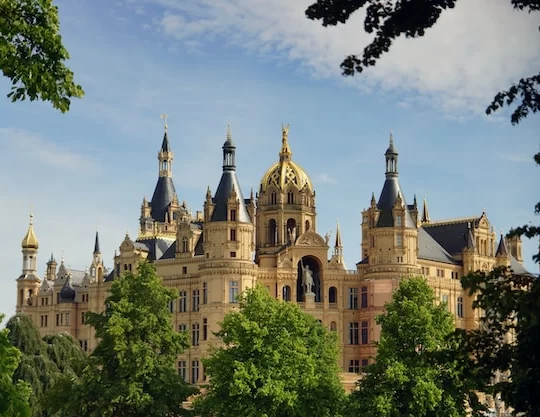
(353, 333)
(364, 298)
(290, 197)
(44, 320)
(332, 295)
(205, 293)
(171, 306)
(459, 309)
(399, 220)
(185, 245)
(354, 366)
(182, 302)
(194, 371)
(233, 291)
(445, 300)
(233, 235)
(182, 370)
(399, 241)
(286, 293)
(272, 232)
(204, 329)
(182, 327)
(195, 334)
(353, 298)
(365, 339)
(232, 216)
(333, 326)
(195, 300)
(273, 198)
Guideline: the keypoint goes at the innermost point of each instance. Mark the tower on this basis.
(96, 267)
(158, 217)
(285, 202)
(389, 228)
(28, 282)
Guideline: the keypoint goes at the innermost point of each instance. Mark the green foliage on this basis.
(417, 372)
(132, 371)
(43, 361)
(276, 361)
(389, 20)
(507, 342)
(13, 396)
(32, 54)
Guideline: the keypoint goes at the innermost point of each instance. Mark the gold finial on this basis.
(30, 240)
(165, 117)
(229, 135)
(285, 132)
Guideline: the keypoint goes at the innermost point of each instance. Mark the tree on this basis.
(507, 342)
(13, 396)
(43, 361)
(416, 370)
(32, 54)
(275, 361)
(412, 18)
(132, 371)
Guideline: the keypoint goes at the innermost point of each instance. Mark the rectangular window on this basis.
(194, 371)
(171, 306)
(399, 221)
(459, 310)
(445, 301)
(354, 366)
(58, 319)
(365, 339)
(364, 298)
(353, 298)
(182, 327)
(82, 316)
(232, 235)
(195, 334)
(273, 198)
(233, 291)
(184, 270)
(182, 302)
(44, 320)
(84, 345)
(182, 370)
(353, 333)
(66, 319)
(57, 298)
(290, 197)
(195, 302)
(204, 329)
(205, 293)
(233, 254)
(232, 215)
(399, 241)
(364, 362)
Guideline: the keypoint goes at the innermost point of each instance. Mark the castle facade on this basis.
(271, 238)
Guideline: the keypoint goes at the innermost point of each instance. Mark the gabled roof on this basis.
(155, 247)
(429, 249)
(451, 235)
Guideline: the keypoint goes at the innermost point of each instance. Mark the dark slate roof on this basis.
(389, 193)
(67, 293)
(155, 247)
(430, 250)
(452, 236)
(165, 147)
(96, 244)
(199, 246)
(501, 249)
(226, 184)
(170, 253)
(109, 277)
(163, 195)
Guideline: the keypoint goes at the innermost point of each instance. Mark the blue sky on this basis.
(258, 64)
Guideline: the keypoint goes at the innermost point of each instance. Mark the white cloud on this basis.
(475, 50)
(325, 178)
(43, 151)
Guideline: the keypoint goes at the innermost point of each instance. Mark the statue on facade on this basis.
(307, 278)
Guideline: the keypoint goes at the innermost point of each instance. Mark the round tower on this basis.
(285, 202)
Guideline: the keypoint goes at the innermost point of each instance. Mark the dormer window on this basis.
(185, 245)
(399, 221)
(232, 215)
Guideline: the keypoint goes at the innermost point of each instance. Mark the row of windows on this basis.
(355, 365)
(358, 334)
(440, 273)
(353, 298)
(183, 371)
(195, 331)
(459, 305)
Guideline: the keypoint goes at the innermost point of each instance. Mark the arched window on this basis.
(333, 326)
(185, 245)
(332, 295)
(164, 166)
(286, 293)
(306, 226)
(272, 232)
(291, 230)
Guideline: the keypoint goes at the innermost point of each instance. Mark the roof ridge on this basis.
(450, 221)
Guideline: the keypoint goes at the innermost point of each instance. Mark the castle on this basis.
(271, 238)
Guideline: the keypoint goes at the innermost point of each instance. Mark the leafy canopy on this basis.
(13, 396)
(43, 361)
(32, 54)
(389, 20)
(132, 371)
(415, 372)
(276, 361)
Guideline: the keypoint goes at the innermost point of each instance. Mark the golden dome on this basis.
(30, 240)
(285, 173)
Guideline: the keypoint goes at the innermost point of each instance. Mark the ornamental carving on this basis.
(310, 239)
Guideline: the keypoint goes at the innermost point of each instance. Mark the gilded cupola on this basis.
(30, 240)
(285, 173)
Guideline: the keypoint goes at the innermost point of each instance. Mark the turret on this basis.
(51, 268)
(28, 282)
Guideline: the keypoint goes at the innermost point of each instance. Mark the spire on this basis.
(338, 237)
(229, 150)
(285, 154)
(164, 191)
(96, 244)
(30, 240)
(391, 156)
(502, 250)
(425, 212)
